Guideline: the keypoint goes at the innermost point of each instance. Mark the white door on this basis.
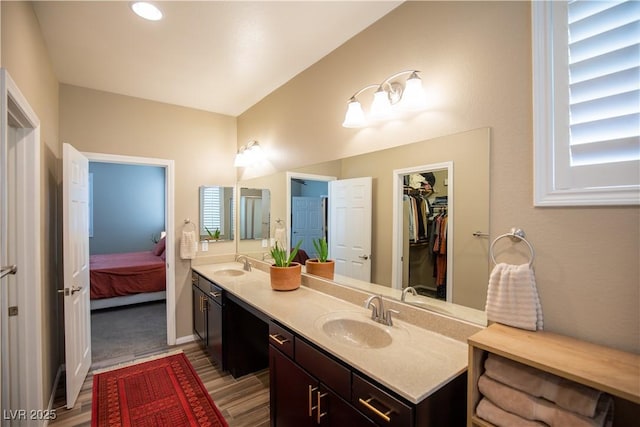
(306, 222)
(350, 227)
(77, 320)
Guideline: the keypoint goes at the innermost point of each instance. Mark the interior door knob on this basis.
(75, 289)
(364, 257)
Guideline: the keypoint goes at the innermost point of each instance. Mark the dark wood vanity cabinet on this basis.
(309, 387)
(299, 398)
(208, 317)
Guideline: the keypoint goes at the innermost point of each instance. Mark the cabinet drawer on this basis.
(380, 406)
(281, 339)
(210, 289)
(323, 367)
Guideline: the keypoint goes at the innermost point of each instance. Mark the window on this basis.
(586, 83)
(211, 205)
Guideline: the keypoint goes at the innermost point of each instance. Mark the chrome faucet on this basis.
(378, 313)
(247, 264)
(407, 290)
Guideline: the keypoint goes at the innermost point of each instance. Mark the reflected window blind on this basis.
(211, 209)
(604, 82)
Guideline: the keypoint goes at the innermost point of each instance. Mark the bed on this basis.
(127, 278)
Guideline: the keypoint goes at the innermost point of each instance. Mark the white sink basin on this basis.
(229, 272)
(357, 333)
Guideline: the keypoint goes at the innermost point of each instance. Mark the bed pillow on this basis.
(159, 247)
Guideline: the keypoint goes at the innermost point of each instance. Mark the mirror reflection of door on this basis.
(307, 210)
(425, 227)
(350, 218)
(308, 222)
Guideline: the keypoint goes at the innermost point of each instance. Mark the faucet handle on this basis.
(386, 316)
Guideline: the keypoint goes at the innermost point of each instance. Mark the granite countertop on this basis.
(415, 365)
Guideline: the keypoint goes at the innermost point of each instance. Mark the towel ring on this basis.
(188, 223)
(516, 234)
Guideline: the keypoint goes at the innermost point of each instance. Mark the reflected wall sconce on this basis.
(248, 155)
(390, 100)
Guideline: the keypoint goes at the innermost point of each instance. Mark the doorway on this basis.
(127, 226)
(423, 222)
(168, 166)
(307, 209)
(21, 287)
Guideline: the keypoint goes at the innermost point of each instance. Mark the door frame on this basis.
(169, 223)
(297, 175)
(396, 251)
(28, 281)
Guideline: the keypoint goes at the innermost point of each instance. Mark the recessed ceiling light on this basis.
(146, 10)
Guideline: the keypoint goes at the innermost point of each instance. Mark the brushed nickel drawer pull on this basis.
(320, 414)
(276, 338)
(215, 295)
(378, 412)
(311, 408)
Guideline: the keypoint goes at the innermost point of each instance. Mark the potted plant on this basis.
(321, 266)
(285, 274)
(215, 235)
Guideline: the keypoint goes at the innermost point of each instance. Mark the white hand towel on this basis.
(188, 245)
(512, 297)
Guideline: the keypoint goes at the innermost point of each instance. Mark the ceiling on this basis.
(218, 56)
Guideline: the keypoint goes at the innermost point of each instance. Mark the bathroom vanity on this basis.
(330, 364)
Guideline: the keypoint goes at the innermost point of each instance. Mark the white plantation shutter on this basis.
(587, 102)
(211, 207)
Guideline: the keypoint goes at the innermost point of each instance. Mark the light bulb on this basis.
(354, 118)
(413, 98)
(241, 159)
(381, 106)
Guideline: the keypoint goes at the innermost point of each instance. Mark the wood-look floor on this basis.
(244, 402)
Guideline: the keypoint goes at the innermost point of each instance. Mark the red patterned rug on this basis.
(161, 392)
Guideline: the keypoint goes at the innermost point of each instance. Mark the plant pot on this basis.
(286, 278)
(322, 269)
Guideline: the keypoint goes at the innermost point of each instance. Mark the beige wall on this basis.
(25, 57)
(202, 144)
(475, 59)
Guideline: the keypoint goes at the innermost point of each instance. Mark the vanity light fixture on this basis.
(146, 10)
(248, 155)
(390, 99)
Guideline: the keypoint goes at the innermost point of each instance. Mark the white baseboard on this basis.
(185, 339)
(56, 381)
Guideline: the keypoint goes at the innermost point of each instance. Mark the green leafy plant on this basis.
(215, 235)
(279, 255)
(322, 249)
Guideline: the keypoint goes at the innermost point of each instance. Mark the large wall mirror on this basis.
(216, 213)
(460, 165)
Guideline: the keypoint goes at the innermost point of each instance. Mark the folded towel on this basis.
(501, 418)
(533, 408)
(512, 297)
(567, 394)
(188, 245)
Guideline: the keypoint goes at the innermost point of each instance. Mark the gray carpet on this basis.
(127, 331)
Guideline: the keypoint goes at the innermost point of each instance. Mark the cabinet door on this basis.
(335, 411)
(292, 392)
(199, 314)
(214, 332)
